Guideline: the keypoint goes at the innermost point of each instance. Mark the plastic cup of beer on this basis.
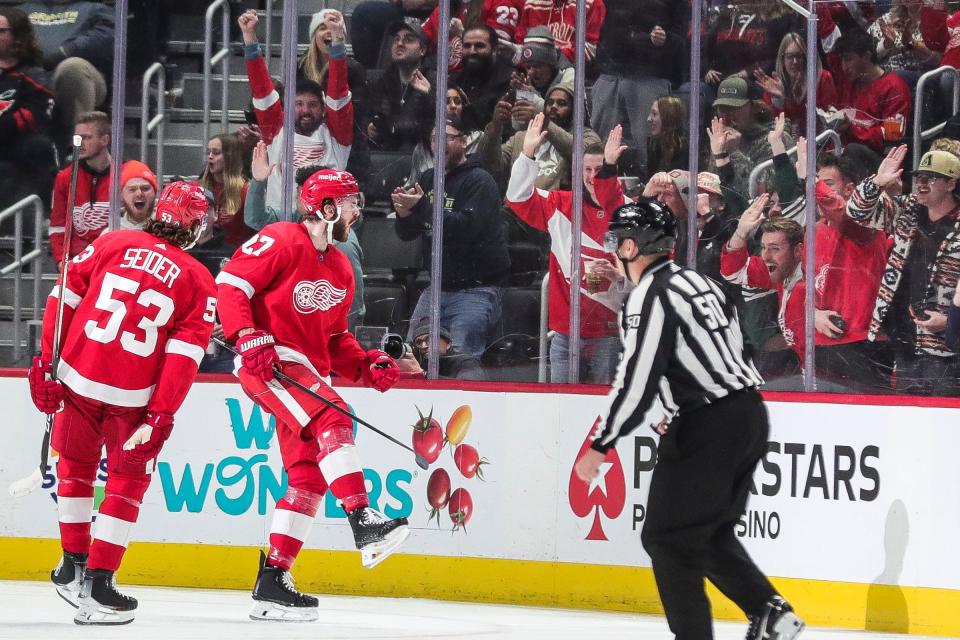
(893, 128)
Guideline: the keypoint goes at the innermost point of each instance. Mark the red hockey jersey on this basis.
(137, 316)
(552, 211)
(278, 282)
(91, 210)
(501, 15)
(560, 16)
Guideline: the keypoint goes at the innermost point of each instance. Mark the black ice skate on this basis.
(375, 535)
(69, 575)
(275, 598)
(100, 602)
(778, 622)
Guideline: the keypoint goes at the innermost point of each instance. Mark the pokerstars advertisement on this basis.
(853, 493)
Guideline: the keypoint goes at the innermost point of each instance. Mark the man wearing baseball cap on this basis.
(922, 268)
(749, 135)
(401, 100)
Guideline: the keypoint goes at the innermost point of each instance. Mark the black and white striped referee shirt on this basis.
(682, 349)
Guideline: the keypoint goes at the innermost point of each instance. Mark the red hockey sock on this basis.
(292, 521)
(75, 503)
(340, 466)
(119, 511)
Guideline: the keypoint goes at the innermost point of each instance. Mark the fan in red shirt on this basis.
(284, 297)
(90, 208)
(552, 212)
(560, 16)
(138, 312)
(866, 93)
(500, 15)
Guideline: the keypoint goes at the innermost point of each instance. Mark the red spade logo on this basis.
(608, 492)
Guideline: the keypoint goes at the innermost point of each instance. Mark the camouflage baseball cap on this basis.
(939, 163)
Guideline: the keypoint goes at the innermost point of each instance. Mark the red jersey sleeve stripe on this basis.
(182, 348)
(237, 282)
(263, 104)
(70, 298)
(338, 103)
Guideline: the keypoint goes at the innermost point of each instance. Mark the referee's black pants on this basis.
(698, 490)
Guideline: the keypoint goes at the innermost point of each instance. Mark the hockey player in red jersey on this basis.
(284, 298)
(138, 312)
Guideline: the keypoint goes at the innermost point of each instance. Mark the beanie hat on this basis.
(539, 48)
(540, 36)
(135, 169)
(423, 329)
(317, 19)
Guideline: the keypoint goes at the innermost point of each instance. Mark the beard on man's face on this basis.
(475, 63)
(341, 230)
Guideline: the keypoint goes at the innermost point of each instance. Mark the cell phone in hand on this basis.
(839, 323)
(919, 311)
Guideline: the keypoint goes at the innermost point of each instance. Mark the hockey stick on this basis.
(26, 485)
(280, 375)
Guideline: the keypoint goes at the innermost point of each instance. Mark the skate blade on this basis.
(70, 596)
(373, 554)
(274, 612)
(787, 628)
(94, 614)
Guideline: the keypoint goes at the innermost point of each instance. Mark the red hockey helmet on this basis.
(328, 184)
(183, 205)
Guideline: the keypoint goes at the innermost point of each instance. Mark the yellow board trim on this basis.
(915, 610)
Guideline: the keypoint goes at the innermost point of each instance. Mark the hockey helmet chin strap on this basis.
(332, 221)
(197, 234)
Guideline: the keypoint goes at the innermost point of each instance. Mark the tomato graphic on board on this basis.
(460, 508)
(438, 492)
(427, 437)
(469, 461)
(459, 424)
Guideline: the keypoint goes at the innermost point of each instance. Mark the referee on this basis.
(684, 373)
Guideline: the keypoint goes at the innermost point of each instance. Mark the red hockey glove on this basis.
(382, 372)
(47, 394)
(146, 441)
(258, 354)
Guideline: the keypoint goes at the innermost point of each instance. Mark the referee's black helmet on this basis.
(649, 223)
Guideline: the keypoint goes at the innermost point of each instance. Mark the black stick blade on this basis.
(422, 462)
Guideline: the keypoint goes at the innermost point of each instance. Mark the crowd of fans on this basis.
(887, 238)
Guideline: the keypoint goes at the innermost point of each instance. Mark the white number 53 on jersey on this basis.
(110, 301)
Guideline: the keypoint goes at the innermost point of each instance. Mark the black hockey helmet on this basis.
(647, 222)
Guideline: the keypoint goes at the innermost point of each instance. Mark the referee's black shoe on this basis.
(778, 622)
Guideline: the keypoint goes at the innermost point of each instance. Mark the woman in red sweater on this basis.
(786, 89)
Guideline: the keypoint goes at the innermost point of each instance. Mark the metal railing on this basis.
(268, 32)
(920, 135)
(19, 259)
(822, 139)
(147, 124)
(211, 59)
(544, 330)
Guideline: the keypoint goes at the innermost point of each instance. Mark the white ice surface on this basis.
(33, 611)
